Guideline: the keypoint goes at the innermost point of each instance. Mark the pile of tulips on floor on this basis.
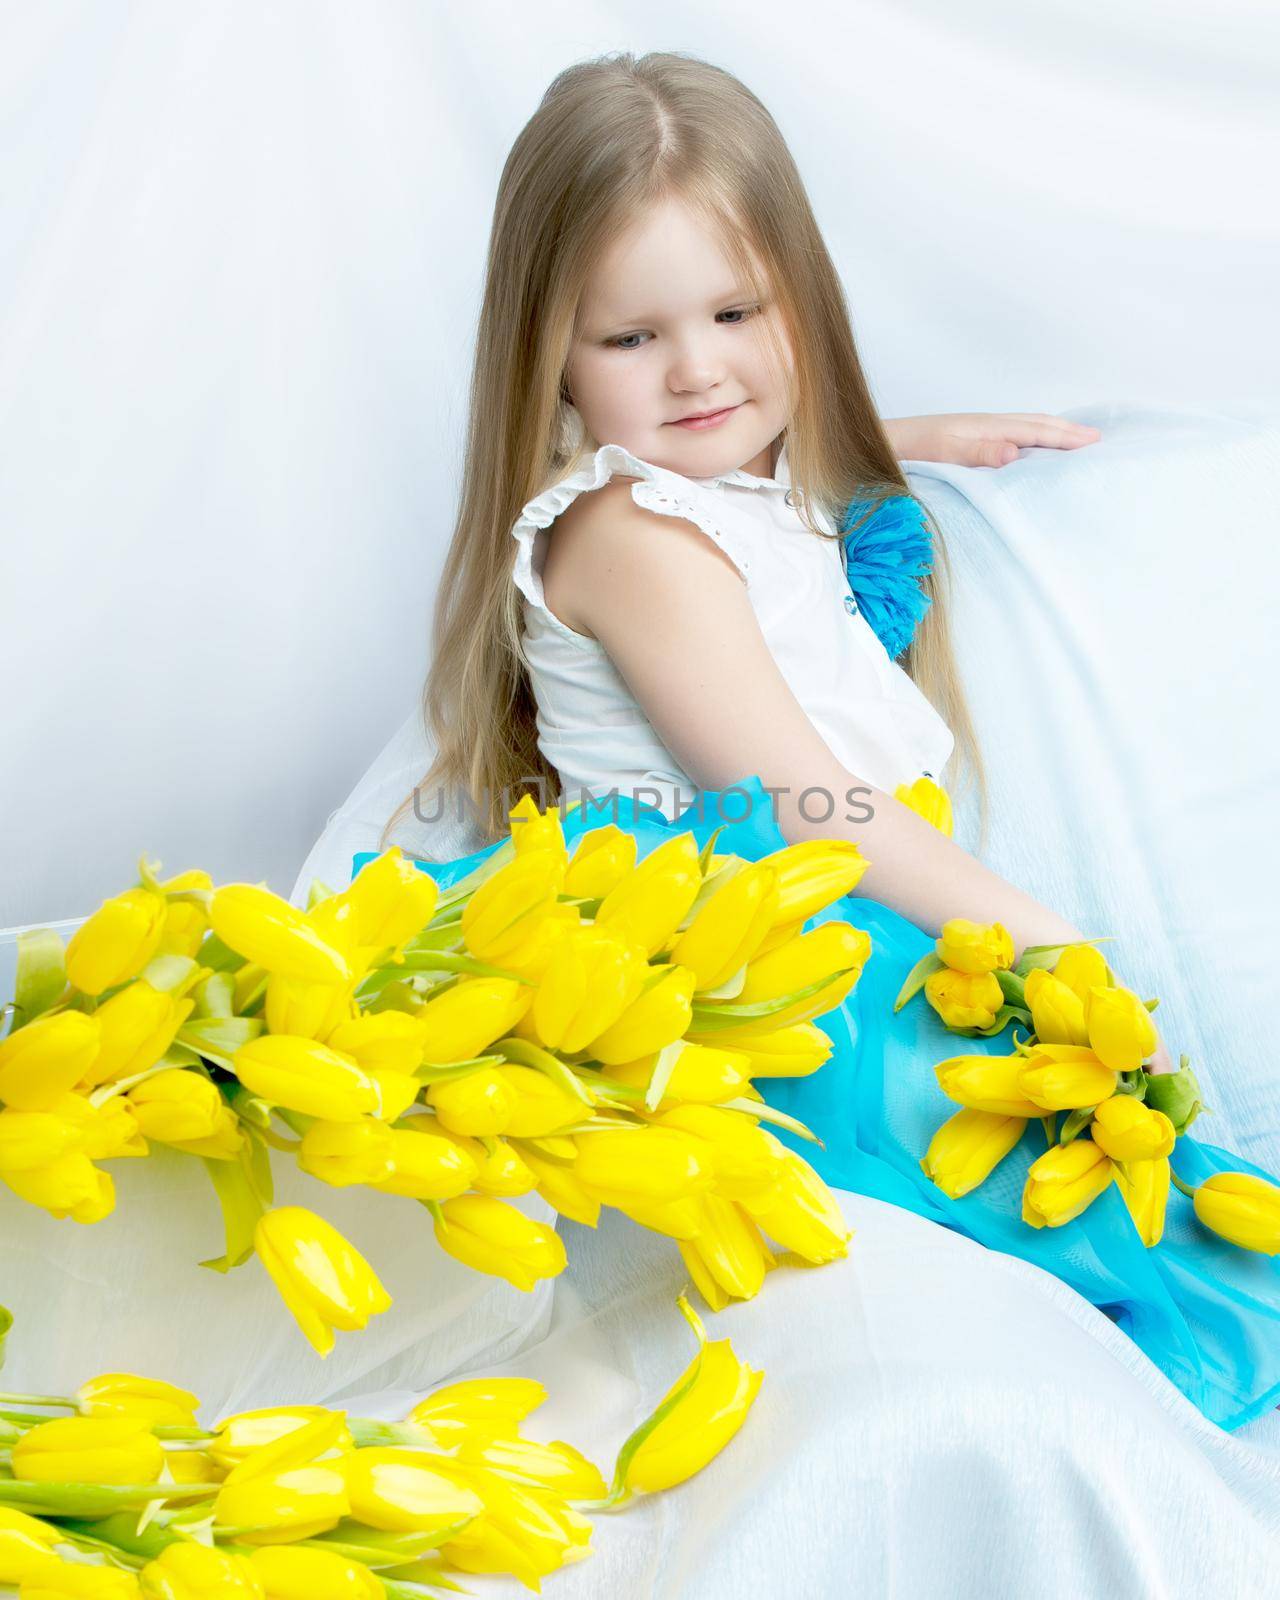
(116, 1492)
(584, 1026)
(1082, 1060)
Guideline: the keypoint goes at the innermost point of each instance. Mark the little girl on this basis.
(646, 593)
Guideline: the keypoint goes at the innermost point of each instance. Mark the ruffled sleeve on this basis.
(657, 490)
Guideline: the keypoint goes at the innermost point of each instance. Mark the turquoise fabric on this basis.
(1204, 1311)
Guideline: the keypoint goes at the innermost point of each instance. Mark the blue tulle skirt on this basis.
(1206, 1312)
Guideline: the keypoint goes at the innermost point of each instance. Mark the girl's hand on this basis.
(1161, 1061)
(983, 439)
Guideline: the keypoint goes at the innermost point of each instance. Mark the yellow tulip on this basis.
(745, 1162)
(556, 1466)
(114, 1449)
(126, 1394)
(247, 1433)
(185, 922)
(33, 1139)
(1082, 967)
(1065, 1077)
(1242, 1208)
(1129, 1131)
(25, 1543)
(344, 1153)
(718, 1391)
(297, 1502)
(532, 829)
(801, 1213)
(477, 1103)
(987, 1083)
(629, 1166)
(137, 1026)
(1063, 1182)
(524, 1529)
(929, 800)
(191, 1571)
(601, 859)
(1057, 1011)
(389, 901)
(325, 1281)
(269, 932)
(812, 874)
(556, 1183)
(117, 941)
(484, 1407)
(726, 1258)
(493, 1237)
(193, 1466)
(541, 1105)
(659, 1016)
(500, 1168)
(309, 1010)
(304, 1075)
(590, 979)
(79, 1580)
(1121, 1031)
(458, 1024)
(425, 1165)
(46, 1059)
(964, 999)
(728, 930)
(704, 1074)
(1144, 1186)
(401, 1491)
(974, 947)
(379, 1041)
(790, 1052)
(102, 1132)
(829, 949)
(178, 1105)
(651, 902)
(505, 912)
(968, 1147)
(70, 1186)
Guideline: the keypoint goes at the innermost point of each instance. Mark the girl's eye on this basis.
(743, 312)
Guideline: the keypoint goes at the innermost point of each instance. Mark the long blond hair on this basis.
(612, 136)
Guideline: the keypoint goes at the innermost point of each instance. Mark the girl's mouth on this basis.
(711, 421)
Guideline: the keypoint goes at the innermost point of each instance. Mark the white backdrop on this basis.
(240, 258)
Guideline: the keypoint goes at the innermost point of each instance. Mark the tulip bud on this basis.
(303, 1075)
(603, 857)
(269, 932)
(390, 901)
(1057, 1011)
(728, 930)
(493, 1237)
(114, 1449)
(380, 1041)
(542, 1106)
(659, 1015)
(727, 1258)
(589, 980)
(801, 1213)
(46, 1059)
(532, 829)
(636, 1166)
(325, 1281)
(1121, 1031)
(812, 874)
(401, 1491)
(426, 1166)
(137, 1026)
(987, 1083)
(1144, 1186)
(964, 999)
(968, 1147)
(460, 1023)
(790, 1052)
(191, 1571)
(477, 1103)
(929, 800)
(834, 950)
(556, 1466)
(1082, 967)
(345, 1153)
(308, 1010)
(483, 1407)
(974, 947)
(1064, 1077)
(277, 1508)
(1063, 1182)
(33, 1139)
(703, 1074)
(1177, 1094)
(1129, 1131)
(125, 1394)
(504, 913)
(69, 1186)
(117, 941)
(651, 902)
(178, 1105)
(25, 1544)
(1241, 1208)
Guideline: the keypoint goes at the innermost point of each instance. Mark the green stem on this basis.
(60, 1400)
(1178, 1183)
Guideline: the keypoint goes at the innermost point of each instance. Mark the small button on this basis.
(794, 497)
(850, 605)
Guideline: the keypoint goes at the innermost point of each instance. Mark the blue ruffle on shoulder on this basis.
(1205, 1312)
(884, 559)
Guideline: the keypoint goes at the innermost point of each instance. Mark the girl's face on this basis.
(665, 331)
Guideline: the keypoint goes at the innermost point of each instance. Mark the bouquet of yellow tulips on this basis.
(586, 1028)
(1082, 1060)
(116, 1492)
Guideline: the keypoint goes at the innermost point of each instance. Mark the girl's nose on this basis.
(694, 370)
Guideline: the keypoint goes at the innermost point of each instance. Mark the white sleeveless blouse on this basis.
(591, 729)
